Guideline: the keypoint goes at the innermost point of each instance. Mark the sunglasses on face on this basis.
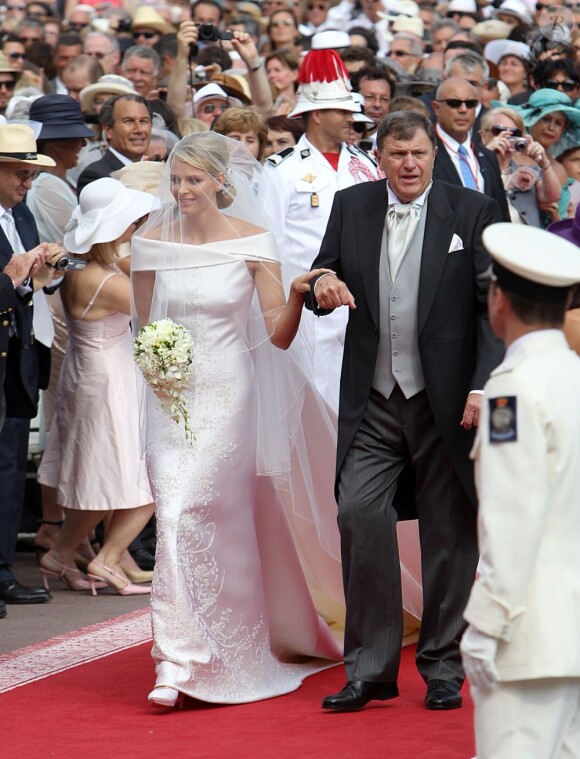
(399, 53)
(7, 85)
(498, 129)
(27, 176)
(359, 127)
(567, 85)
(212, 108)
(29, 40)
(76, 27)
(457, 103)
(540, 6)
(147, 35)
(17, 56)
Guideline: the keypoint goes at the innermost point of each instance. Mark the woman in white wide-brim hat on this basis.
(92, 456)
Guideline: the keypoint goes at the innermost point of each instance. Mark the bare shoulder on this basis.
(245, 229)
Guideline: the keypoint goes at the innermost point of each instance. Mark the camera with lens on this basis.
(519, 144)
(210, 33)
(124, 25)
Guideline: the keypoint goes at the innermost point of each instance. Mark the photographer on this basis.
(242, 43)
(527, 173)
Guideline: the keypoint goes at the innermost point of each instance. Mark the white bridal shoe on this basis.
(164, 695)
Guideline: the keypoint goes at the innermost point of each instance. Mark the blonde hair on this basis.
(209, 152)
(104, 253)
(191, 126)
(502, 111)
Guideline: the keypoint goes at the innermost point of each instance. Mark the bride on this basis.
(245, 515)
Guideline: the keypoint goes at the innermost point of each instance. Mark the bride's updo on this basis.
(209, 152)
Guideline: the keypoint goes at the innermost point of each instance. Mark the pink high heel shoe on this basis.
(69, 576)
(125, 588)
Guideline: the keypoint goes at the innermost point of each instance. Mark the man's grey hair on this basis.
(113, 41)
(416, 48)
(141, 51)
(30, 22)
(404, 125)
(468, 61)
(445, 23)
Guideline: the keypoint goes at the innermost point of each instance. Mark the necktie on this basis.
(466, 173)
(42, 320)
(401, 223)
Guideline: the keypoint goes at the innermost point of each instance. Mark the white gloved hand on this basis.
(478, 653)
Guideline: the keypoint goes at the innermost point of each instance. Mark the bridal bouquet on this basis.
(163, 350)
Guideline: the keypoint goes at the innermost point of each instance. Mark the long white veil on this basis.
(296, 440)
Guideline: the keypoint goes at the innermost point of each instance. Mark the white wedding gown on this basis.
(233, 614)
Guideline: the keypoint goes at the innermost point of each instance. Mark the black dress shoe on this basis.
(144, 559)
(441, 694)
(12, 592)
(2, 610)
(357, 693)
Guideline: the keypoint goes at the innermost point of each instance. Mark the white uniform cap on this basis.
(461, 6)
(533, 256)
(331, 38)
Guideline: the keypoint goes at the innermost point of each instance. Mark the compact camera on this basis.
(210, 33)
(518, 143)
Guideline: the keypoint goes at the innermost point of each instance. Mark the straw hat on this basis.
(409, 26)
(148, 18)
(110, 84)
(491, 29)
(6, 67)
(61, 118)
(323, 83)
(106, 209)
(222, 85)
(515, 8)
(143, 176)
(17, 145)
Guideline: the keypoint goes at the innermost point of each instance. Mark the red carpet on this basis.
(99, 711)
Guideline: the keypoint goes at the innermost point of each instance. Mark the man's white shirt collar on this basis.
(124, 160)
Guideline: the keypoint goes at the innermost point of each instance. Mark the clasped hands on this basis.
(330, 292)
(478, 652)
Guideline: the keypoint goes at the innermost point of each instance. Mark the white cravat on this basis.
(42, 319)
(402, 220)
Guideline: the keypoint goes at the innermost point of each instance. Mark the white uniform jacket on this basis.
(527, 467)
(298, 205)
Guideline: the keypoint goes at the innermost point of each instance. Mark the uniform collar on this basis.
(532, 342)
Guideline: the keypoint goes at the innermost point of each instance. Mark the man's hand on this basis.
(471, 411)
(186, 36)
(331, 293)
(47, 273)
(20, 267)
(244, 45)
(478, 652)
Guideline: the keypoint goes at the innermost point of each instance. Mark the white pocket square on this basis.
(456, 244)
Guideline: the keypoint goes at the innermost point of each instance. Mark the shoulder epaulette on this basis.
(355, 150)
(277, 158)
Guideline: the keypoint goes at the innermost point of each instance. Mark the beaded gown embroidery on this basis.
(233, 617)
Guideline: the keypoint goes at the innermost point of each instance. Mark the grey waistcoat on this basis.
(398, 359)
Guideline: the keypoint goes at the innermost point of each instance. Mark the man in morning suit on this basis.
(460, 160)
(28, 360)
(411, 266)
(126, 121)
(16, 271)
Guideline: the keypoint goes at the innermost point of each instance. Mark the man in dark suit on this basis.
(411, 266)
(126, 121)
(460, 160)
(16, 271)
(28, 361)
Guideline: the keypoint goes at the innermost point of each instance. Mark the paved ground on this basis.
(68, 610)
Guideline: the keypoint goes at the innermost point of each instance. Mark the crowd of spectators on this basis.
(500, 81)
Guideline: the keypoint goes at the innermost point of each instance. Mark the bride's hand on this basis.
(301, 283)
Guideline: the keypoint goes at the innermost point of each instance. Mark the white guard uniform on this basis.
(305, 184)
(527, 595)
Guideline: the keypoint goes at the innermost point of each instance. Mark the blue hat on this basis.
(545, 101)
(61, 118)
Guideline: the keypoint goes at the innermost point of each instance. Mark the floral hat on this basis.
(545, 101)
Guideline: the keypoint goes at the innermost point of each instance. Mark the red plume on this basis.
(322, 66)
